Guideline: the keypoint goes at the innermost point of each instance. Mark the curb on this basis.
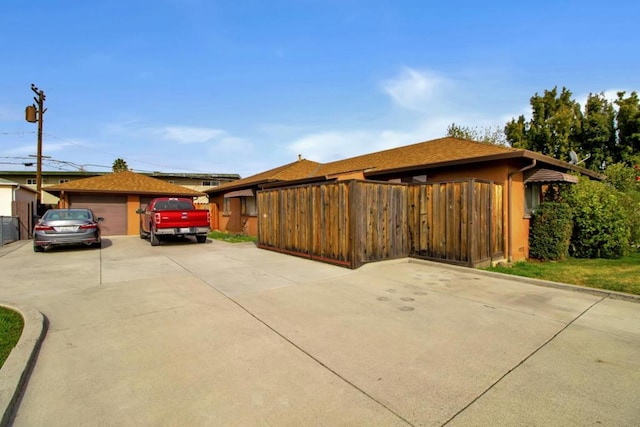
(531, 281)
(17, 368)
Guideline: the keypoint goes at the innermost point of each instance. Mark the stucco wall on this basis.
(6, 197)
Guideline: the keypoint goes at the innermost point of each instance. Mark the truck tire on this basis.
(201, 239)
(153, 239)
(143, 235)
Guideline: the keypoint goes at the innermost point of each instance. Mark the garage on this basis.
(113, 208)
(116, 197)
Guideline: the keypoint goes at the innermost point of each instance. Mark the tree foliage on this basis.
(551, 229)
(489, 134)
(608, 132)
(120, 165)
(554, 128)
(600, 221)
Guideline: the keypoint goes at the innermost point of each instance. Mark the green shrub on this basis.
(550, 233)
(600, 224)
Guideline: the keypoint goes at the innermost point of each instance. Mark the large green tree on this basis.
(628, 121)
(555, 127)
(599, 132)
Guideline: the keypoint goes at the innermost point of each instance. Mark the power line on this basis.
(119, 155)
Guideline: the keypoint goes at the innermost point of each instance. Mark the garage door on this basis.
(112, 208)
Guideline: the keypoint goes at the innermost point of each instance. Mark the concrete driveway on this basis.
(227, 334)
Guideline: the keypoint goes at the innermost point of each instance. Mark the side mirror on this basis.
(139, 211)
(100, 219)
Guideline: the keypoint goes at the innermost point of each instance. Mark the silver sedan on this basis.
(59, 227)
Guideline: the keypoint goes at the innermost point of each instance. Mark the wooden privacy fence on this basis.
(350, 223)
(460, 222)
(346, 223)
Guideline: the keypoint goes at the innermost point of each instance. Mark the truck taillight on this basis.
(157, 218)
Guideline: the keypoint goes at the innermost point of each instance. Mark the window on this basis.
(248, 206)
(532, 196)
(62, 181)
(226, 206)
(31, 181)
(210, 183)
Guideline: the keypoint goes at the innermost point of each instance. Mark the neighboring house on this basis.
(522, 173)
(116, 197)
(194, 181)
(18, 201)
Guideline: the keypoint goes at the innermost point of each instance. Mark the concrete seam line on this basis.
(319, 362)
(298, 347)
(544, 344)
(17, 368)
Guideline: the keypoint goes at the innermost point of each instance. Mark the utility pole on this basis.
(34, 113)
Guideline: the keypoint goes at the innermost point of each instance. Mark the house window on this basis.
(31, 181)
(532, 196)
(248, 206)
(226, 206)
(62, 181)
(210, 183)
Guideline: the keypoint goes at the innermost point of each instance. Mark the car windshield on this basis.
(66, 214)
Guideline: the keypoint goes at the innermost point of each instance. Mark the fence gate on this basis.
(459, 222)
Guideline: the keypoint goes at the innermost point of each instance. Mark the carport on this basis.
(116, 197)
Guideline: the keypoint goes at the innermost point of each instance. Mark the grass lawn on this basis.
(11, 324)
(231, 238)
(622, 275)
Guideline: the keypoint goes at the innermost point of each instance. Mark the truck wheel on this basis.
(143, 235)
(153, 239)
(201, 239)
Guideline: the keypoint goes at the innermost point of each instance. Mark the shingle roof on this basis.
(434, 153)
(289, 172)
(124, 183)
(423, 153)
(7, 182)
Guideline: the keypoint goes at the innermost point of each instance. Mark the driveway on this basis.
(227, 334)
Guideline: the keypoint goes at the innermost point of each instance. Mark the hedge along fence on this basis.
(347, 223)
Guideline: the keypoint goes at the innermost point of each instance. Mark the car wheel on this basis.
(37, 248)
(153, 239)
(201, 239)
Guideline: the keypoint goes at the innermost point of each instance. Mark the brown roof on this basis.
(289, 172)
(435, 153)
(423, 153)
(124, 183)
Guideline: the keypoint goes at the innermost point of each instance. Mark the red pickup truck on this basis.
(173, 216)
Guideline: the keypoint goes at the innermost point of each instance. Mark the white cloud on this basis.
(417, 90)
(439, 100)
(190, 135)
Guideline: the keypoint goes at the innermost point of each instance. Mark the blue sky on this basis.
(245, 86)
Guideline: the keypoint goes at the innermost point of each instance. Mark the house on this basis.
(116, 197)
(194, 181)
(520, 173)
(17, 201)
